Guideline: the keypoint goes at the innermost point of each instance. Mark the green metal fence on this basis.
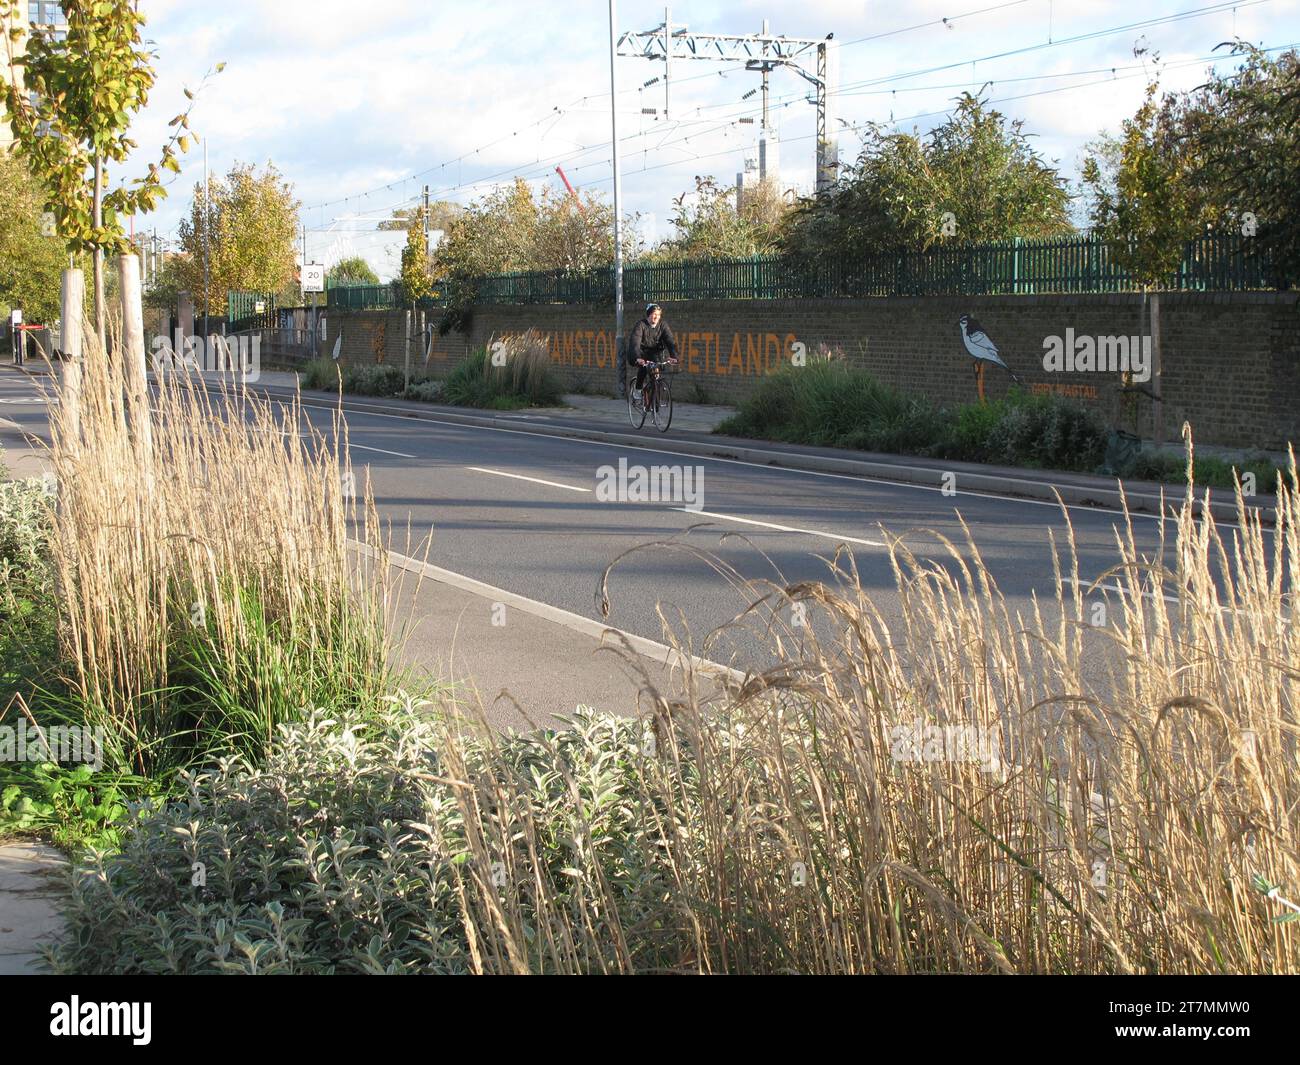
(364, 297)
(250, 310)
(1078, 264)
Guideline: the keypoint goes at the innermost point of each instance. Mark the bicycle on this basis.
(654, 398)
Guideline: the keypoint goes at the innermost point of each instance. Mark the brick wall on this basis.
(1231, 361)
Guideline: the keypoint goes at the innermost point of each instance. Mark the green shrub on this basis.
(524, 378)
(1042, 431)
(76, 806)
(1210, 471)
(321, 374)
(25, 522)
(836, 405)
(374, 380)
(349, 853)
(428, 391)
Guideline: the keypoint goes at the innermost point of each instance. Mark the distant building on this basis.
(39, 13)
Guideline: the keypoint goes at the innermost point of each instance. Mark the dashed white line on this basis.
(521, 477)
(837, 537)
(365, 447)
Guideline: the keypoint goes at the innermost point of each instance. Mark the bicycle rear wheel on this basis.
(635, 405)
(663, 404)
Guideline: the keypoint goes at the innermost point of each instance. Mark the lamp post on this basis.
(618, 211)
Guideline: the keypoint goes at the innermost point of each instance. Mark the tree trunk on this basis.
(133, 354)
(101, 330)
(74, 302)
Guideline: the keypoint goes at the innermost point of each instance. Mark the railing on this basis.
(249, 310)
(1076, 264)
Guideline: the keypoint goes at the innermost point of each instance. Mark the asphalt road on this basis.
(523, 511)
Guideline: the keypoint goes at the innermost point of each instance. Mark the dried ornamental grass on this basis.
(207, 584)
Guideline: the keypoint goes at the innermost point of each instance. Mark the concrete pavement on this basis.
(29, 915)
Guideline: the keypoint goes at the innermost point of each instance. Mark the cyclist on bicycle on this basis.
(650, 338)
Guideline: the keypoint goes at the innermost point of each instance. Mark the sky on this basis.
(359, 106)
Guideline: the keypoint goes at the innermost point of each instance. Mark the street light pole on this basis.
(618, 211)
(207, 239)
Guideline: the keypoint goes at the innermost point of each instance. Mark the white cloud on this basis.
(347, 99)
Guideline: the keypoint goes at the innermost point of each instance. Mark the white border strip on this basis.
(652, 649)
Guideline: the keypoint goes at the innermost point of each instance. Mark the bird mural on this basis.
(982, 350)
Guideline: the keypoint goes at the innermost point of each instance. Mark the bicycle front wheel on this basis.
(635, 405)
(664, 405)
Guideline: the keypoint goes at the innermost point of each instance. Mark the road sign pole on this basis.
(618, 197)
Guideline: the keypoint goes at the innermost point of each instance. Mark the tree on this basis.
(510, 229)
(1144, 202)
(165, 288)
(351, 271)
(1240, 134)
(416, 282)
(441, 214)
(71, 98)
(248, 227)
(710, 225)
(974, 178)
(30, 262)
(1146, 206)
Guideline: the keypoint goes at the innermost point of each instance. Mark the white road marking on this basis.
(669, 656)
(399, 454)
(1114, 588)
(859, 478)
(521, 477)
(837, 537)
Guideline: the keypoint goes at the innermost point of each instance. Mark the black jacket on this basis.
(648, 341)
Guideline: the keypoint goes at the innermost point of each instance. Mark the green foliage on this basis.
(1043, 431)
(712, 226)
(511, 230)
(1240, 133)
(429, 391)
(351, 271)
(231, 690)
(1209, 471)
(374, 380)
(322, 374)
(30, 263)
(87, 85)
(831, 404)
(525, 379)
(350, 850)
(163, 292)
(25, 523)
(77, 806)
(248, 230)
(1143, 199)
(416, 281)
(975, 166)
